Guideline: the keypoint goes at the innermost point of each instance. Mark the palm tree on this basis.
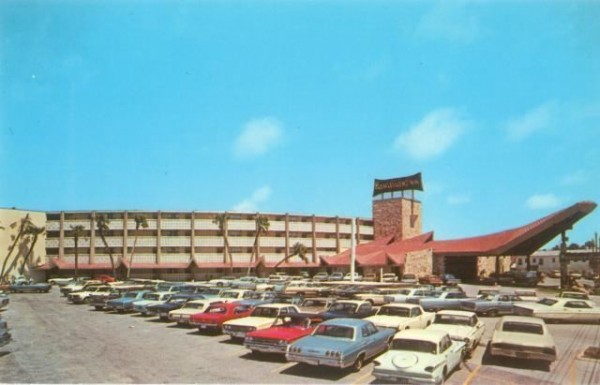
(102, 222)
(35, 232)
(78, 232)
(140, 221)
(221, 221)
(262, 226)
(298, 249)
(26, 223)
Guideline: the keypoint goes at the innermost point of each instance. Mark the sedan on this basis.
(561, 310)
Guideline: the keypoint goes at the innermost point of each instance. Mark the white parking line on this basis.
(283, 367)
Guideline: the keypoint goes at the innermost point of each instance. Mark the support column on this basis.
(61, 237)
(125, 234)
(158, 239)
(287, 234)
(337, 236)
(314, 238)
(93, 238)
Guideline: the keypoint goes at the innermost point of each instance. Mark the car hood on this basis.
(252, 321)
(185, 311)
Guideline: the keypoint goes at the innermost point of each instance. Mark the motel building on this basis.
(195, 246)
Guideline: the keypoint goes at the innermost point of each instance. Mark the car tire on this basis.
(358, 364)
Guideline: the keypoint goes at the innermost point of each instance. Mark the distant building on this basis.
(579, 261)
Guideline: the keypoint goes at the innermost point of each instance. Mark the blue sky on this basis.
(298, 106)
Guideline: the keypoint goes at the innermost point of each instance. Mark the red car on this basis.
(104, 278)
(214, 317)
(276, 339)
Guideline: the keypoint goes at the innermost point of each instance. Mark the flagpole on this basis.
(353, 250)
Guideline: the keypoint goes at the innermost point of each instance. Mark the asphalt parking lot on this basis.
(57, 342)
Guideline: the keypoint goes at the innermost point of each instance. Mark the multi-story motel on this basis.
(190, 245)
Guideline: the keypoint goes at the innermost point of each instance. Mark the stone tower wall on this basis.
(400, 217)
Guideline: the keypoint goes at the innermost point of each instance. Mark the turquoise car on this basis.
(341, 343)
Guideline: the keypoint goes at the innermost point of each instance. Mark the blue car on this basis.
(341, 343)
(125, 302)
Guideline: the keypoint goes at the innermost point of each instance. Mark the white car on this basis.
(523, 338)
(223, 281)
(236, 294)
(83, 296)
(561, 310)
(419, 357)
(389, 277)
(348, 277)
(262, 317)
(461, 325)
(182, 315)
(402, 316)
(403, 294)
(410, 279)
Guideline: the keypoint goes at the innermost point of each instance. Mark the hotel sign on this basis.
(412, 182)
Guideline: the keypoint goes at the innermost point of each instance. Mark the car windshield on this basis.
(394, 311)
(131, 294)
(448, 319)
(547, 301)
(265, 312)
(217, 310)
(335, 331)
(523, 327)
(151, 296)
(314, 302)
(211, 291)
(345, 307)
(230, 294)
(414, 345)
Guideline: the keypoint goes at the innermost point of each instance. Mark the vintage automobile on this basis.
(24, 287)
(65, 281)
(400, 316)
(223, 281)
(321, 276)
(198, 306)
(316, 305)
(448, 300)
(434, 280)
(341, 343)
(5, 336)
(212, 319)
(410, 279)
(175, 302)
(527, 295)
(461, 325)
(560, 310)
(262, 317)
(526, 278)
(419, 357)
(77, 285)
(377, 296)
(99, 299)
(523, 338)
(349, 290)
(125, 302)
(348, 309)
(244, 283)
(574, 294)
(276, 339)
(492, 305)
(149, 299)
(236, 294)
(348, 277)
(303, 289)
(402, 295)
(4, 299)
(450, 279)
(336, 276)
(83, 296)
(389, 277)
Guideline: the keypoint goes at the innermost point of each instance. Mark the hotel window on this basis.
(541, 261)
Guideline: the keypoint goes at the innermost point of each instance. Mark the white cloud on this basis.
(258, 136)
(533, 121)
(543, 202)
(251, 204)
(450, 21)
(576, 178)
(433, 135)
(458, 199)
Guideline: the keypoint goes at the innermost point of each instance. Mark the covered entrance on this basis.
(463, 267)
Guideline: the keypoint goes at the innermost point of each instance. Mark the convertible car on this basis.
(419, 357)
(341, 343)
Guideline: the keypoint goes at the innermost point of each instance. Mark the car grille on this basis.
(237, 328)
(264, 341)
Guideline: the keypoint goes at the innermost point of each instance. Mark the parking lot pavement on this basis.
(56, 342)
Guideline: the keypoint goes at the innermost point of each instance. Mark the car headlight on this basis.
(282, 342)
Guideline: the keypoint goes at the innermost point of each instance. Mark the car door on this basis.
(449, 351)
(579, 310)
(364, 310)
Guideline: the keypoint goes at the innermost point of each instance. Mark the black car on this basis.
(175, 302)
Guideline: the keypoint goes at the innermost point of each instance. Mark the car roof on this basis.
(457, 312)
(422, 334)
(275, 305)
(402, 305)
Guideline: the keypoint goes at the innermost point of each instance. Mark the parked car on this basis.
(223, 281)
(389, 277)
(402, 295)
(348, 277)
(175, 302)
(526, 278)
(448, 300)
(341, 343)
(99, 299)
(527, 295)
(125, 302)
(303, 288)
(276, 339)
(348, 309)
(505, 278)
(24, 287)
(235, 294)
(105, 278)
(401, 316)
(217, 314)
(450, 279)
(337, 276)
(321, 276)
(560, 310)
(248, 282)
(523, 338)
(349, 290)
(66, 280)
(198, 306)
(574, 294)
(5, 336)
(434, 280)
(4, 299)
(262, 317)
(376, 295)
(316, 305)
(409, 278)
(149, 299)
(419, 356)
(461, 326)
(492, 305)
(83, 296)
(78, 285)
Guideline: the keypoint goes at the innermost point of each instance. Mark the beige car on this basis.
(523, 338)
(402, 316)
(182, 316)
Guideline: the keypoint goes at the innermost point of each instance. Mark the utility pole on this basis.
(562, 258)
